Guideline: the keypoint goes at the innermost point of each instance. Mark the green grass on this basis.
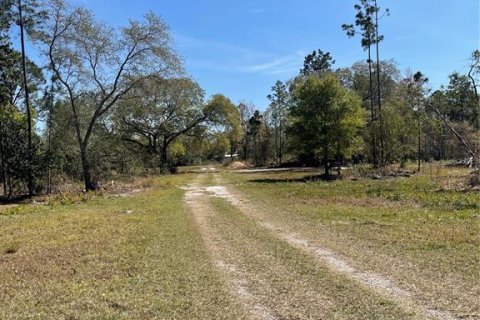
(210, 180)
(109, 258)
(430, 189)
(291, 282)
(405, 228)
(101, 256)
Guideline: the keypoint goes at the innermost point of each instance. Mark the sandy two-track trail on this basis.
(278, 274)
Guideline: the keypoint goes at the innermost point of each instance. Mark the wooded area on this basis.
(117, 101)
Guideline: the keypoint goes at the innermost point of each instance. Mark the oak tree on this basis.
(325, 118)
(97, 65)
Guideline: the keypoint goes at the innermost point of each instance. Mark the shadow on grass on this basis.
(19, 199)
(308, 178)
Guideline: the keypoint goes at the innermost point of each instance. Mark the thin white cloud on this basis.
(231, 58)
(265, 66)
(286, 65)
(210, 65)
(281, 65)
(214, 46)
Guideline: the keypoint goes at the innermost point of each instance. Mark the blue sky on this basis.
(240, 48)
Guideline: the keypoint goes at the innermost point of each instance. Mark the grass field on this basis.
(212, 245)
(410, 229)
(110, 258)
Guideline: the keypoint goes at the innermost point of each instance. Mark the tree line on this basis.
(328, 116)
(370, 112)
(117, 101)
(108, 99)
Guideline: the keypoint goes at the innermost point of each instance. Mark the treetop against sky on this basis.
(240, 48)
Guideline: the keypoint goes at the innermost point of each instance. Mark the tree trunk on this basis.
(164, 156)
(339, 168)
(419, 146)
(254, 149)
(277, 148)
(89, 184)
(372, 109)
(477, 97)
(4, 173)
(419, 150)
(245, 150)
(325, 161)
(49, 151)
(2, 157)
(9, 184)
(49, 105)
(379, 93)
(27, 103)
(83, 144)
(280, 138)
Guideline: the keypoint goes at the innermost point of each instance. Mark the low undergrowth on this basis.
(435, 187)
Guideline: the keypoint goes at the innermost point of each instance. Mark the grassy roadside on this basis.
(139, 257)
(426, 239)
(289, 282)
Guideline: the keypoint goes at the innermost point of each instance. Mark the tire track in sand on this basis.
(377, 283)
(196, 196)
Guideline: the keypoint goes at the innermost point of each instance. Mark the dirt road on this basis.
(278, 274)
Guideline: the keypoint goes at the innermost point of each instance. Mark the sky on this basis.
(240, 48)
